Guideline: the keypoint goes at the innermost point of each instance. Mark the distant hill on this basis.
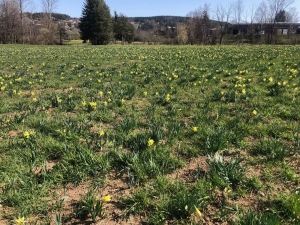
(167, 21)
(56, 16)
(164, 19)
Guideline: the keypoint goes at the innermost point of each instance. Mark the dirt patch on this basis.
(13, 133)
(195, 167)
(46, 167)
(3, 211)
(116, 187)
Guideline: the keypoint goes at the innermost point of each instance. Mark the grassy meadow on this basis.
(149, 135)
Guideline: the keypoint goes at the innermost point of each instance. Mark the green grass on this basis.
(143, 114)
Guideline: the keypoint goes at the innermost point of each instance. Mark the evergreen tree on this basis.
(95, 22)
(280, 16)
(123, 29)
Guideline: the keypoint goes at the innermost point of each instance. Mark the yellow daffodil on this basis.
(101, 133)
(106, 198)
(26, 134)
(226, 191)
(168, 98)
(20, 221)
(150, 142)
(198, 211)
(93, 105)
(59, 100)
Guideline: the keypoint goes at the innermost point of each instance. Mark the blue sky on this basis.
(133, 8)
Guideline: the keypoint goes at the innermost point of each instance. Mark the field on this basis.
(149, 135)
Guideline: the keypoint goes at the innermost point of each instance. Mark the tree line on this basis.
(98, 27)
(18, 23)
(205, 25)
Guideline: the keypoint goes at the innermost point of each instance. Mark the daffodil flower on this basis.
(20, 221)
(101, 133)
(106, 198)
(198, 211)
(150, 142)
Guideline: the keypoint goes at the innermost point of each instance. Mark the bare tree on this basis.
(199, 26)
(182, 35)
(205, 26)
(31, 28)
(222, 15)
(275, 6)
(251, 14)
(9, 23)
(48, 8)
(237, 11)
(292, 16)
(22, 5)
(261, 16)
(191, 27)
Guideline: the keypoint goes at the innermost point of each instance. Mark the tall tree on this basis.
(22, 5)
(95, 22)
(123, 29)
(182, 35)
(62, 33)
(238, 10)
(222, 15)
(48, 7)
(275, 6)
(261, 16)
(292, 16)
(9, 22)
(199, 25)
(280, 16)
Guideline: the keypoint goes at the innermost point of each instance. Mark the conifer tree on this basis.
(95, 22)
(122, 28)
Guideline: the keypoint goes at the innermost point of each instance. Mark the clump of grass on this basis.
(224, 173)
(168, 200)
(91, 205)
(257, 218)
(272, 149)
